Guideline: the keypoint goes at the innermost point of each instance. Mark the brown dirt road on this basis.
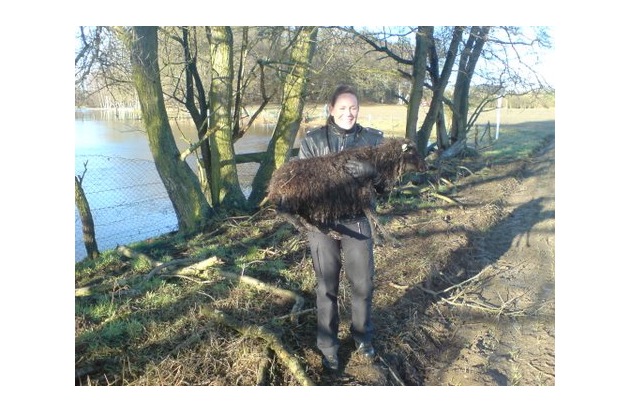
(519, 347)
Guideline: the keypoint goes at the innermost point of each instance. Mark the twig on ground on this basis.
(434, 293)
(445, 198)
(294, 314)
(289, 361)
(453, 300)
(162, 266)
(392, 372)
(397, 286)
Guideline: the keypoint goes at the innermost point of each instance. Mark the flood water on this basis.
(127, 198)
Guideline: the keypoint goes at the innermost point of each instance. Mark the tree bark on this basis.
(191, 208)
(467, 62)
(224, 183)
(424, 36)
(89, 236)
(442, 133)
(290, 117)
(440, 81)
(197, 105)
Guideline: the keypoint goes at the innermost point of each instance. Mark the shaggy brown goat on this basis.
(318, 190)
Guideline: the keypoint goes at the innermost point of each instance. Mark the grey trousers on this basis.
(358, 262)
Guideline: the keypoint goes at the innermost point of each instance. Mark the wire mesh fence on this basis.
(128, 200)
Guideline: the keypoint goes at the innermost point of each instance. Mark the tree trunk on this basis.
(197, 106)
(423, 38)
(182, 186)
(225, 187)
(290, 117)
(240, 77)
(467, 62)
(442, 133)
(89, 237)
(440, 82)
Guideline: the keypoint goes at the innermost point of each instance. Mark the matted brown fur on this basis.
(321, 191)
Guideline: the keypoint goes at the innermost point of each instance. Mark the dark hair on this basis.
(341, 89)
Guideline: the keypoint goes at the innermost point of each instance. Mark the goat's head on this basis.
(411, 161)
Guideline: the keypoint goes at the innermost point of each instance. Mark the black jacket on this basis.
(332, 139)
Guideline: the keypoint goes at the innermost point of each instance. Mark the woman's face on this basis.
(345, 111)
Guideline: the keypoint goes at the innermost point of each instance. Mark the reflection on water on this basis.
(96, 132)
(126, 196)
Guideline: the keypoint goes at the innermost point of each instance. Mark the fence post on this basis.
(496, 137)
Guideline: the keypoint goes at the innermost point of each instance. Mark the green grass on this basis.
(517, 141)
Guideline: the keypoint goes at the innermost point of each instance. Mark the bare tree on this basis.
(467, 62)
(224, 178)
(231, 70)
(413, 68)
(501, 74)
(80, 200)
(102, 70)
(292, 106)
(439, 80)
(191, 208)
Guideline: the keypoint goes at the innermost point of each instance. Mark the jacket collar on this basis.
(338, 130)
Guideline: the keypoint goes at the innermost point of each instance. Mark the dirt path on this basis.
(517, 348)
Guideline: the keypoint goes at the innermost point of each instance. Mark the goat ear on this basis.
(405, 147)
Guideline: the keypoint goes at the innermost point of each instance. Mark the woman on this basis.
(342, 132)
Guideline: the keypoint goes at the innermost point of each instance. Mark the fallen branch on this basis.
(132, 254)
(466, 169)
(85, 291)
(162, 266)
(454, 150)
(292, 315)
(194, 269)
(286, 358)
(434, 293)
(445, 198)
(392, 372)
(299, 300)
(263, 368)
(402, 287)
(452, 300)
(118, 287)
(483, 307)
(447, 182)
(200, 267)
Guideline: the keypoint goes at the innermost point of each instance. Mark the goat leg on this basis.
(376, 227)
(312, 228)
(296, 221)
(304, 226)
(330, 232)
